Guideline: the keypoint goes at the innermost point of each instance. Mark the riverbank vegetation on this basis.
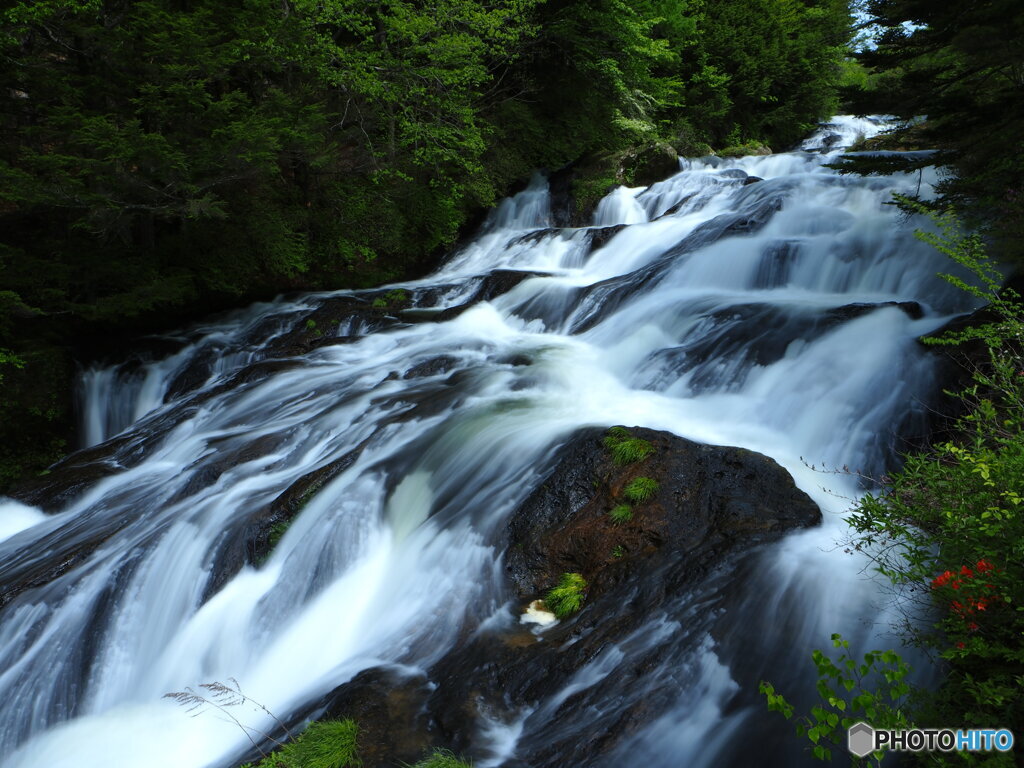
(166, 158)
(953, 72)
(947, 530)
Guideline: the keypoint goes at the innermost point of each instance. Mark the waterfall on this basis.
(762, 302)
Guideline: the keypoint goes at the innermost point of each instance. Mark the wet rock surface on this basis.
(712, 504)
(389, 705)
(710, 499)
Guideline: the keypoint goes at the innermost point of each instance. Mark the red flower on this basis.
(941, 581)
(960, 644)
(973, 627)
(984, 565)
(965, 571)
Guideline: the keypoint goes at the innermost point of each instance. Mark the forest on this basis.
(168, 158)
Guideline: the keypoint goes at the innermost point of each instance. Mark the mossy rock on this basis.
(749, 148)
(652, 164)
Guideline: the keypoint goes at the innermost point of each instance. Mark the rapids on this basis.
(779, 315)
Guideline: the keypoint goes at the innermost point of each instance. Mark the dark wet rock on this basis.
(516, 360)
(502, 281)
(710, 500)
(390, 707)
(733, 173)
(752, 180)
(192, 375)
(713, 504)
(287, 505)
(207, 470)
(830, 141)
(262, 370)
(560, 191)
(912, 309)
(599, 237)
(69, 478)
(534, 236)
(341, 311)
(23, 571)
(431, 367)
(672, 210)
(491, 285)
(251, 540)
(745, 336)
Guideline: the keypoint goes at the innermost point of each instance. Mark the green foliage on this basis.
(625, 448)
(641, 489)
(968, 250)
(442, 758)
(619, 551)
(622, 513)
(324, 744)
(9, 358)
(850, 688)
(567, 598)
(960, 66)
(391, 300)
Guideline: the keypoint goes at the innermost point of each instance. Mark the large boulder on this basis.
(712, 505)
(654, 163)
(709, 501)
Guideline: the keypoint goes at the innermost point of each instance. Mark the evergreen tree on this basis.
(960, 64)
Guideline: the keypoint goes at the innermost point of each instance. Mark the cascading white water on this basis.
(770, 315)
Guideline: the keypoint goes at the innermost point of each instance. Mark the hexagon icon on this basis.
(860, 739)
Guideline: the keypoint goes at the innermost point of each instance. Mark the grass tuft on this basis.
(623, 513)
(641, 489)
(442, 758)
(567, 598)
(324, 744)
(625, 448)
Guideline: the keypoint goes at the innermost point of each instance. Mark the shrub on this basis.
(567, 598)
(641, 489)
(849, 690)
(623, 513)
(619, 551)
(625, 448)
